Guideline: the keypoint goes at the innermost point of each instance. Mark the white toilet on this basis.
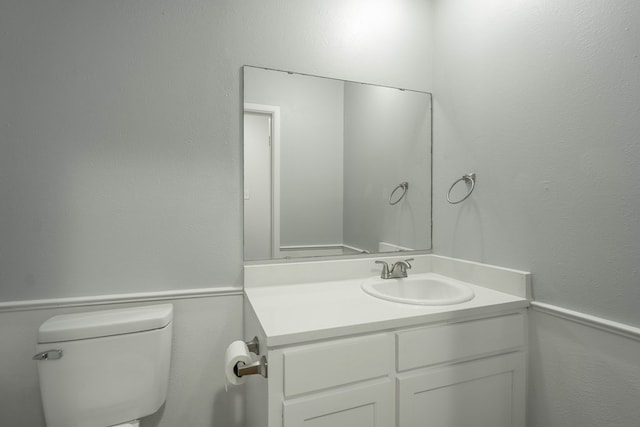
(104, 368)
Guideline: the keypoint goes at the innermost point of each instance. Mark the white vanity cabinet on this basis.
(458, 373)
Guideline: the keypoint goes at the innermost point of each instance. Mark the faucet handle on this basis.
(385, 269)
(407, 261)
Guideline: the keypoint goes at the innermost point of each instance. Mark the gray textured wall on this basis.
(541, 100)
(120, 128)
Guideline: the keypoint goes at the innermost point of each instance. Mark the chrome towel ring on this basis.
(404, 186)
(470, 177)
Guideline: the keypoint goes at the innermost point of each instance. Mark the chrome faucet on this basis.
(397, 271)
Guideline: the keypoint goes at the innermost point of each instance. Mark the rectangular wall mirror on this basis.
(334, 167)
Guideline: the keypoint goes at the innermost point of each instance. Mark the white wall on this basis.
(120, 154)
(311, 147)
(387, 141)
(541, 100)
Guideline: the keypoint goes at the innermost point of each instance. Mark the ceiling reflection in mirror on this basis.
(334, 167)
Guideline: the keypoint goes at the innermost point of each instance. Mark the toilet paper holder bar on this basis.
(253, 345)
(259, 367)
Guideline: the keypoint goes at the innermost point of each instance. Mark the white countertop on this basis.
(293, 314)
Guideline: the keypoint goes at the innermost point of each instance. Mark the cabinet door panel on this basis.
(362, 416)
(370, 405)
(484, 393)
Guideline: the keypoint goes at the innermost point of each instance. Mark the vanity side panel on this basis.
(276, 387)
(256, 387)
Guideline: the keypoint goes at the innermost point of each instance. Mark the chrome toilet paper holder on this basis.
(259, 367)
(253, 345)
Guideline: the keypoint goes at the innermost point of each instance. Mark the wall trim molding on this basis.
(617, 328)
(27, 305)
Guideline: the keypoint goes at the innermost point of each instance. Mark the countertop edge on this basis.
(307, 337)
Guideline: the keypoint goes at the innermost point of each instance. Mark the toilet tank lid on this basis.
(95, 324)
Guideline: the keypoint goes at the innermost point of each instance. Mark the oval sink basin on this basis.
(420, 289)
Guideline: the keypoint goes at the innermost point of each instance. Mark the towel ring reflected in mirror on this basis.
(404, 186)
(468, 178)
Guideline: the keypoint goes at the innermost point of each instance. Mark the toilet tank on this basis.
(106, 367)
